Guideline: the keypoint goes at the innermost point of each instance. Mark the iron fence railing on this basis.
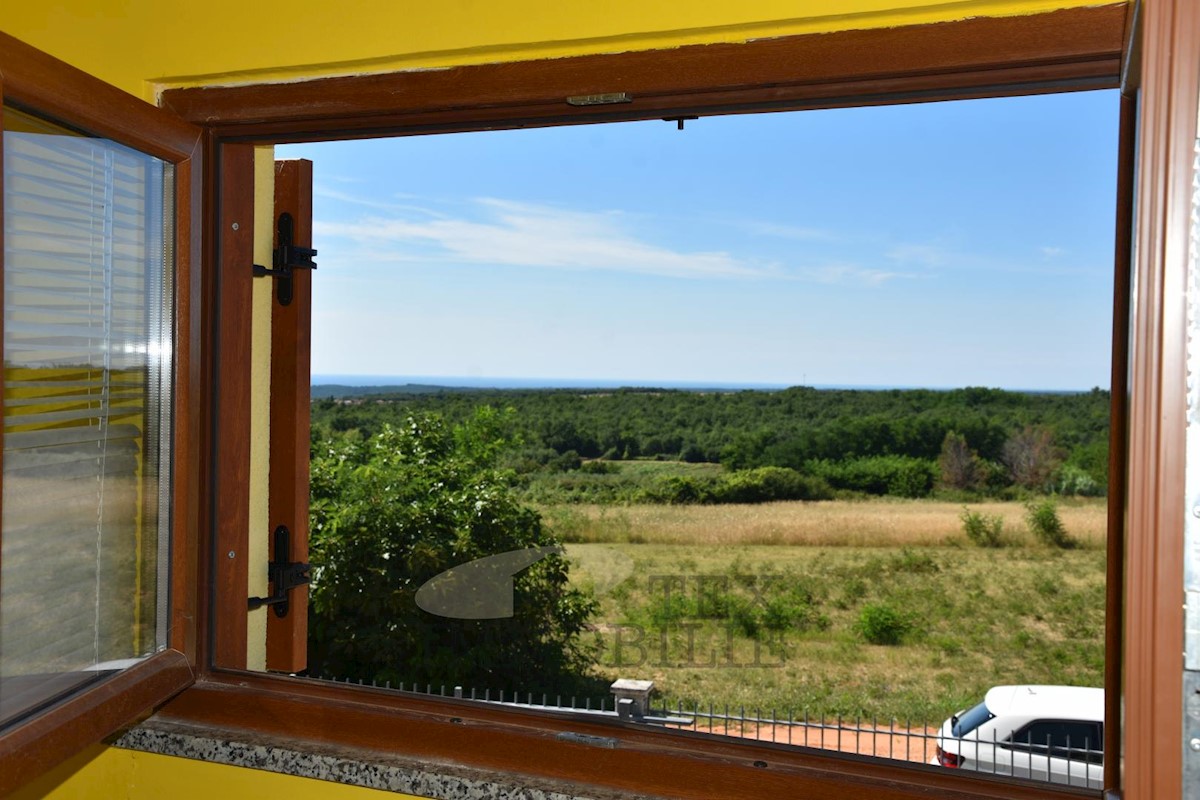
(1071, 763)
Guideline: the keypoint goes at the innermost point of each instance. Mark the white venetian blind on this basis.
(86, 373)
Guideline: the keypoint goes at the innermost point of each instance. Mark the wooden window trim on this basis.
(1064, 50)
(40, 84)
(228, 421)
(515, 741)
(89, 716)
(982, 57)
(1169, 77)
(291, 406)
(230, 425)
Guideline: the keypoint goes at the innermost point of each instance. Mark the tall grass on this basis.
(835, 523)
(911, 633)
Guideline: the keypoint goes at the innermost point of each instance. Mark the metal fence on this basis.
(1078, 764)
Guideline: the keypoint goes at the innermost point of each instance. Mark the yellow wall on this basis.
(260, 405)
(137, 44)
(109, 773)
(144, 45)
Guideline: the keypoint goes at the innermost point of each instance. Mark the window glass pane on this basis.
(87, 349)
(814, 405)
(972, 720)
(1060, 736)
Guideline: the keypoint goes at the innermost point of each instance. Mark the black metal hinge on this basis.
(286, 257)
(283, 574)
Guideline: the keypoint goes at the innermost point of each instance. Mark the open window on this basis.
(96, 591)
(1083, 47)
(244, 124)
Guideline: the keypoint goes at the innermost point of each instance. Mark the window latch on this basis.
(283, 574)
(285, 258)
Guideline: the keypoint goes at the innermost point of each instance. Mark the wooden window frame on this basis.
(229, 426)
(39, 84)
(1056, 51)
(291, 406)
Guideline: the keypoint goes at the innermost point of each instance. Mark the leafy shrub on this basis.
(669, 608)
(761, 485)
(993, 475)
(678, 490)
(391, 511)
(1044, 524)
(566, 462)
(746, 619)
(1074, 480)
(598, 468)
(780, 607)
(984, 530)
(853, 590)
(900, 476)
(913, 562)
(767, 484)
(879, 623)
(796, 609)
(525, 460)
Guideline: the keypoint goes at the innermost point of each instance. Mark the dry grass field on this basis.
(835, 523)
(770, 607)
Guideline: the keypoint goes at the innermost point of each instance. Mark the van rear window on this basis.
(970, 720)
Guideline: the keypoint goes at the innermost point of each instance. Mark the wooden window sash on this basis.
(291, 402)
(229, 417)
(37, 83)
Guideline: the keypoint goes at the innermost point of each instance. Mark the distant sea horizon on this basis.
(493, 382)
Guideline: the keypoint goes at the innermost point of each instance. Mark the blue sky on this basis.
(947, 244)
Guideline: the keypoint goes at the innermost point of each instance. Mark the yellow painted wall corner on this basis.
(133, 44)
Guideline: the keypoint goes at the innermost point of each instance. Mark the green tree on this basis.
(392, 511)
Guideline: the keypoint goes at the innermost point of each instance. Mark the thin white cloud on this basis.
(934, 256)
(367, 202)
(524, 234)
(929, 255)
(781, 231)
(507, 233)
(851, 274)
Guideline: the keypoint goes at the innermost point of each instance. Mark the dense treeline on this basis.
(901, 442)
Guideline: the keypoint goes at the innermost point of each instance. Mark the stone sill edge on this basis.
(372, 771)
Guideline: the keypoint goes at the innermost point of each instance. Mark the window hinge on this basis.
(283, 574)
(286, 257)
